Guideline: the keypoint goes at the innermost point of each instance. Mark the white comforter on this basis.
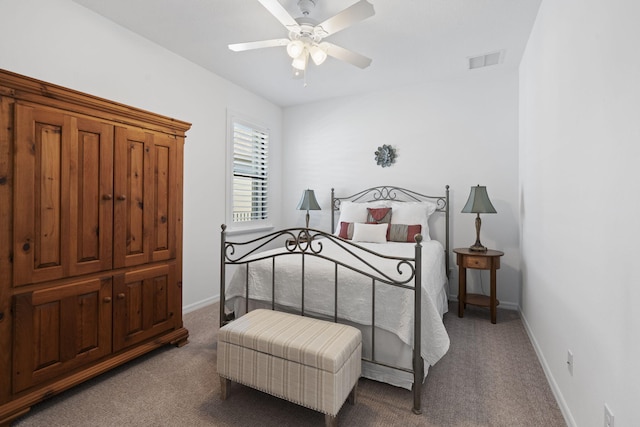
(394, 306)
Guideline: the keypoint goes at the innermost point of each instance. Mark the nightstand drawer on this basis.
(481, 262)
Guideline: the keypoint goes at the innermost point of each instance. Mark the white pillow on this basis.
(355, 212)
(375, 233)
(352, 212)
(413, 213)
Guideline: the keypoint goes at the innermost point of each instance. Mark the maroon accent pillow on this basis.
(378, 215)
(403, 232)
(346, 230)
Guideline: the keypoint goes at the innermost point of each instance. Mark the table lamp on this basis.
(478, 203)
(308, 202)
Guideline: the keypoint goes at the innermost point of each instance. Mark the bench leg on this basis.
(353, 394)
(225, 388)
(330, 420)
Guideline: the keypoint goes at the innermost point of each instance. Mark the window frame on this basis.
(255, 224)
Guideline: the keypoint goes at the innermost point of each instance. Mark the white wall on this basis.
(579, 154)
(63, 43)
(460, 132)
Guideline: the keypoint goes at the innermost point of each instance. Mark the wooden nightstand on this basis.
(489, 260)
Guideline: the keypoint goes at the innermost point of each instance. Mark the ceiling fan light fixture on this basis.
(318, 53)
(300, 63)
(295, 48)
(305, 34)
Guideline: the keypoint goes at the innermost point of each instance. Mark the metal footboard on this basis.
(306, 243)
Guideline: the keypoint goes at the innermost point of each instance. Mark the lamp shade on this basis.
(295, 48)
(308, 201)
(478, 201)
(318, 53)
(300, 63)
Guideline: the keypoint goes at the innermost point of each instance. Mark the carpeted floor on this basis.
(489, 377)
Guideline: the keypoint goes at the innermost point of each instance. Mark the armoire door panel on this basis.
(145, 304)
(41, 179)
(91, 197)
(165, 197)
(48, 179)
(133, 200)
(60, 328)
(161, 193)
(63, 214)
(47, 324)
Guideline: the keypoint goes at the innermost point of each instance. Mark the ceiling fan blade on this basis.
(355, 13)
(239, 47)
(346, 55)
(280, 13)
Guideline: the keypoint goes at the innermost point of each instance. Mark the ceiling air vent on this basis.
(493, 58)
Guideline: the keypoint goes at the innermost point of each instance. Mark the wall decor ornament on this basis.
(385, 156)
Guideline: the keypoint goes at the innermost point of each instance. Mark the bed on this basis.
(362, 273)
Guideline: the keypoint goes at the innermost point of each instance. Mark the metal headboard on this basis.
(398, 194)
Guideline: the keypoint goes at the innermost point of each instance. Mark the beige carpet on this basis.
(489, 377)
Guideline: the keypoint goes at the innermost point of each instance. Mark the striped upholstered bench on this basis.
(309, 362)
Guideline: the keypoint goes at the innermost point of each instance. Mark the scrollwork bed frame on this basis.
(301, 241)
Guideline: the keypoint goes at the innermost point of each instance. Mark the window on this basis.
(249, 187)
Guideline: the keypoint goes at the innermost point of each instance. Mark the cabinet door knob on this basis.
(121, 296)
(106, 299)
(122, 197)
(107, 197)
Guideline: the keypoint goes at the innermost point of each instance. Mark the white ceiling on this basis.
(410, 41)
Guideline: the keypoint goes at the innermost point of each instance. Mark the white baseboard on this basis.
(203, 303)
(566, 413)
(503, 304)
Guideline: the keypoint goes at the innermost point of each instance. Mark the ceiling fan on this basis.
(306, 36)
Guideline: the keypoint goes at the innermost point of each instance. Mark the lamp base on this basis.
(476, 247)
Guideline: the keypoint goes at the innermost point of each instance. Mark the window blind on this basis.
(250, 173)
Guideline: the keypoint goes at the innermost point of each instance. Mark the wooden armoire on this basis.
(90, 237)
